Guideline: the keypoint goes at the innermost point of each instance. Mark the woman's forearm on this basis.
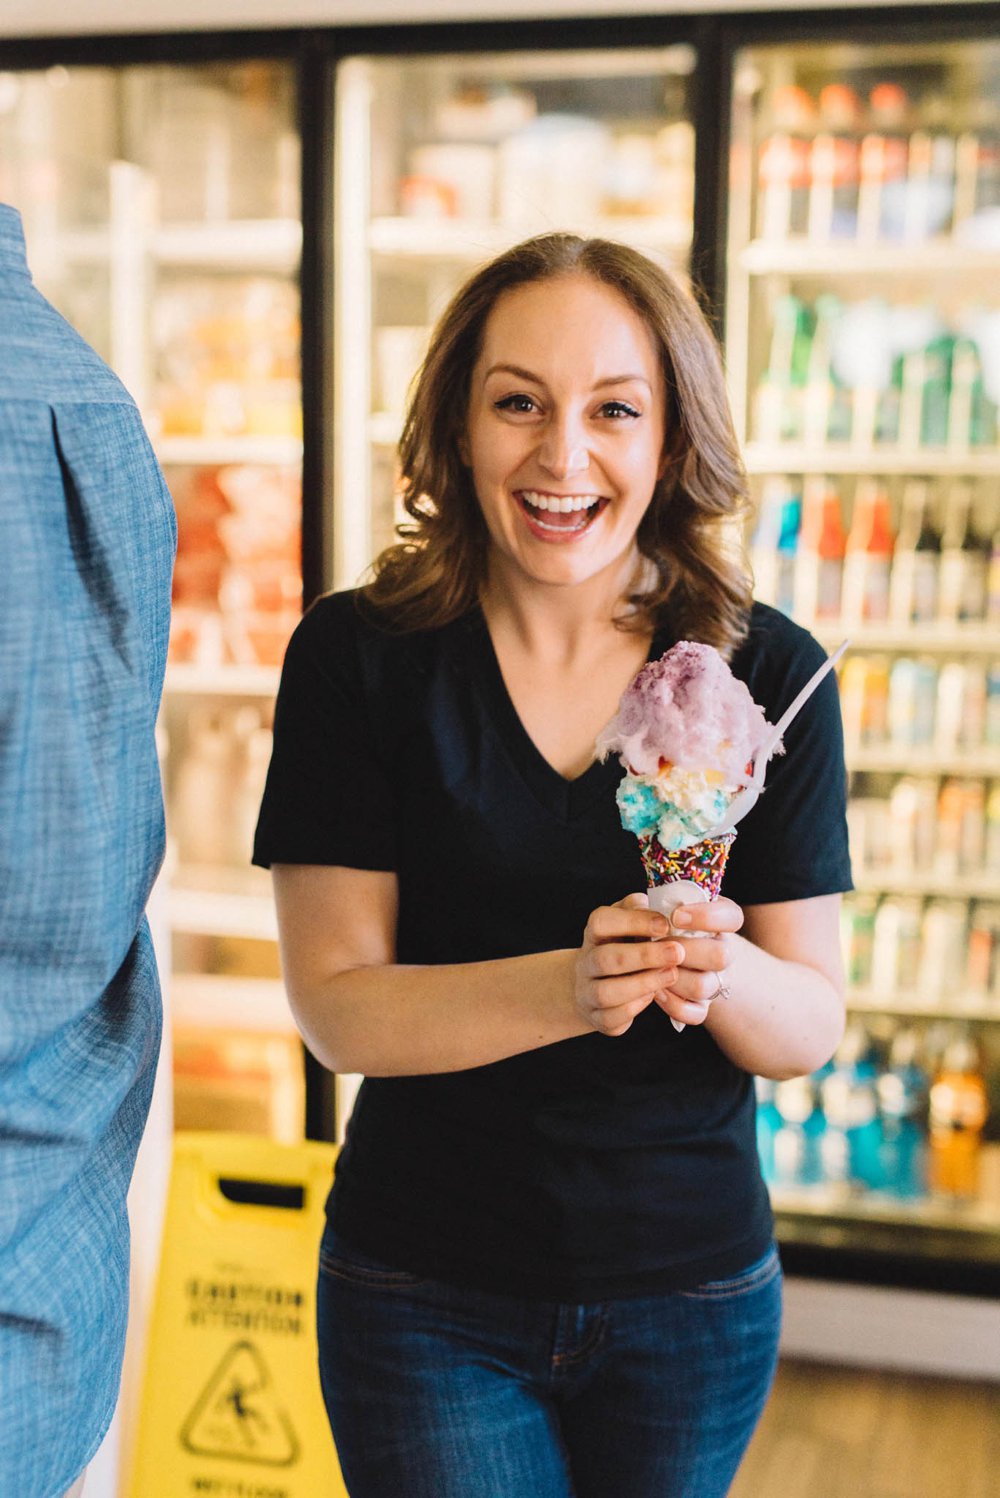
(403, 1021)
(782, 1018)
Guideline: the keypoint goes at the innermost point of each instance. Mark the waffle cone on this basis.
(703, 863)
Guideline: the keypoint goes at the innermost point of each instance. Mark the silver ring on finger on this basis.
(722, 992)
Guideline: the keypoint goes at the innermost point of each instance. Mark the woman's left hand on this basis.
(709, 950)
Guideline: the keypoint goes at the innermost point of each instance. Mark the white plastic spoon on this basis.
(746, 799)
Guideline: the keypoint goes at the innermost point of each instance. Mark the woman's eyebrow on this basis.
(526, 374)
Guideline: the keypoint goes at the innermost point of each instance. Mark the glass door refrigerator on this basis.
(161, 213)
(863, 340)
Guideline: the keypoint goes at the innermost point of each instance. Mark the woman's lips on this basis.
(559, 517)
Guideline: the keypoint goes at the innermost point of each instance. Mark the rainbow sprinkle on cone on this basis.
(704, 863)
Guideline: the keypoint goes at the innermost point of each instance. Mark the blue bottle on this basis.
(788, 545)
(851, 1145)
(902, 1097)
(798, 1142)
(768, 1124)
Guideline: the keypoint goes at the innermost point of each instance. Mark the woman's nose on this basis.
(563, 452)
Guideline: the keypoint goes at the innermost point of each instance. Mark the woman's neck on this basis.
(558, 623)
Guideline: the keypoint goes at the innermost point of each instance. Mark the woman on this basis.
(549, 1266)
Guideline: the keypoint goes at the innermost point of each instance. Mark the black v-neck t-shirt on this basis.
(595, 1167)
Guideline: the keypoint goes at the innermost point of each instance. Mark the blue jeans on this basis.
(439, 1392)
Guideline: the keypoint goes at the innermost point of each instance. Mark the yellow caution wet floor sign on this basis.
(231, 1402)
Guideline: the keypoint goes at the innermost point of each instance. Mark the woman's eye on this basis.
(521, 404)
(618, 409)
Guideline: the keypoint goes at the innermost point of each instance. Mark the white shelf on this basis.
(935, 257)
(214, 452)
(466, 241)
(206, 1002)
(932, 462)
(924, 1006)
(912, 639)
(981, 1215)
(217, 912)
(893, 759)
(981, 886)
(221, 681)
(267, 245)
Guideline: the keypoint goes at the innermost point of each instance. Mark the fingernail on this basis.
(681, 917)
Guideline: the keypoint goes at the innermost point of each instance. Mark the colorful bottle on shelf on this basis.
(992, 736)
(913, 824)
(930, 185)
(850, 1144)
(983, 967)
(826, 402)
(788, 542)
(798, 1142)
(913, 684)
(972, 419)
(993, 580)
(902, 1090)
(916, 560)
(833, 166)
(991, 859)
(819, 563)
(896, 948)
(960, 846)
(857, 934)
(883, 161)
(964, 560)
(925, 400)
(764, 542)
(783, 166)
(778, 414)
(768, 1124)
(958, 1113)
(960, 712)
(868, 555)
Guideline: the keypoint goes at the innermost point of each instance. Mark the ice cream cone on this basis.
(684, 876)
(702, 864)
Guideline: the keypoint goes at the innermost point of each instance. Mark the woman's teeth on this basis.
(559, 504)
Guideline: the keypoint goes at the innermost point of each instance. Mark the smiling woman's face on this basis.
(565, 430)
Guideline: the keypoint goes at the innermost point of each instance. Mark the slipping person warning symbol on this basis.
(238, 1416)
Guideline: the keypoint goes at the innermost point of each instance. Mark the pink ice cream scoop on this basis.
(686, 731)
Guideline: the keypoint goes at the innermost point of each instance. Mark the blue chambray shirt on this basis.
(87, 537)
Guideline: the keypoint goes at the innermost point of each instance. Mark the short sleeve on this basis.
(794, 845)
(328, 796)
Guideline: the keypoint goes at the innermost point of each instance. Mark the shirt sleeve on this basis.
(328, 797)
(794, 845)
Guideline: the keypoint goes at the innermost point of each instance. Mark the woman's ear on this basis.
(463, 448)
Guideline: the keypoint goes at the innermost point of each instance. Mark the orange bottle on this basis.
(819, 563)
(958, 1110)
(868, 557)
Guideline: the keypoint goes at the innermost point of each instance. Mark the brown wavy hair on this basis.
(698, 587)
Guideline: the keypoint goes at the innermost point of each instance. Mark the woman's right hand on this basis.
(623, 964)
